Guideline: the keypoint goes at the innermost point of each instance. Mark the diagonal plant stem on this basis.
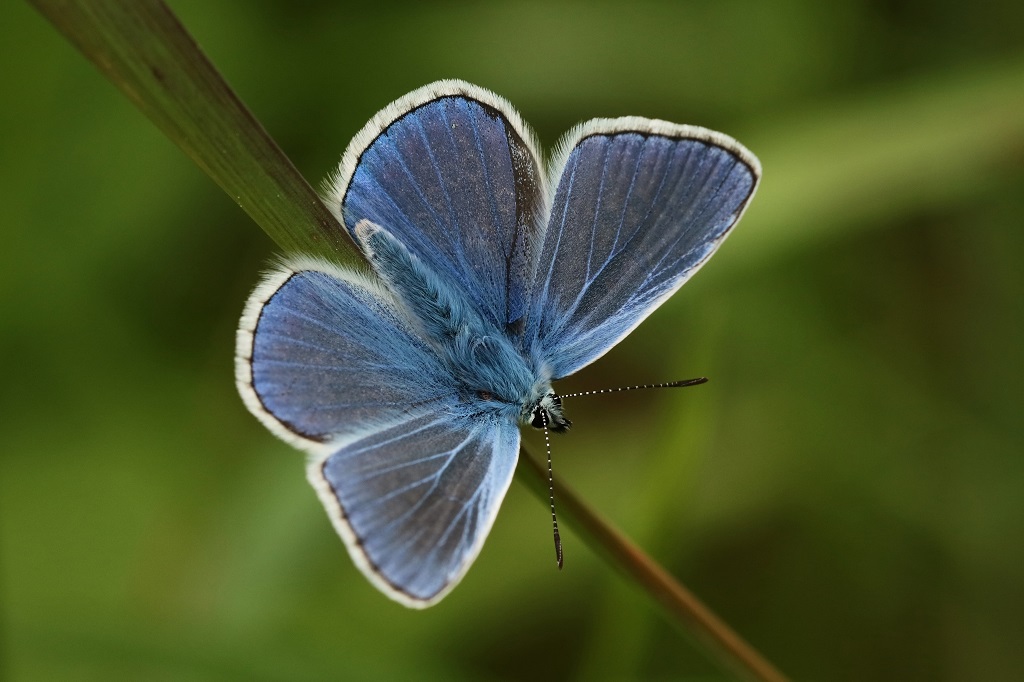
(145, 51)
(679, 604)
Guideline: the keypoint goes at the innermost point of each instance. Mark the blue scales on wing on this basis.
(333, 358)
(639, 206)
(409, 481)
(415, 501)
(456, 179)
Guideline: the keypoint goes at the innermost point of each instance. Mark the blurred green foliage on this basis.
(847, 492)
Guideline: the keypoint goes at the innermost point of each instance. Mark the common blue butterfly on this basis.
(491, 278)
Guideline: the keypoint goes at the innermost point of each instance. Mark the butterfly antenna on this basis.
(670, 384)
(551, 493)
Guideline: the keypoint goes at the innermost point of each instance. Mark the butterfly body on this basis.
(491, 377)
(490, 279)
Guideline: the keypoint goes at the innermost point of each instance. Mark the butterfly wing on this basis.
(415, 502)
(638, 207)
(411, 481)
(324, 356)
(452, 171)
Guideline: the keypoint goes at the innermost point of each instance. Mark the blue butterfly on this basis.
(491, 278)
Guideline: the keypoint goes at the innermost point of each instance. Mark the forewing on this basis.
(324, 356)
(452, 171)
(415, 502)
(639, 206)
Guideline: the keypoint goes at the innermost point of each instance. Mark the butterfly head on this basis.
(547, 412)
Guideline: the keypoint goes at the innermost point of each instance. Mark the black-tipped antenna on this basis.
(551, 492)
(670, 384)
(547, 445)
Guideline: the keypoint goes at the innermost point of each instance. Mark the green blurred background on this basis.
(847, 491)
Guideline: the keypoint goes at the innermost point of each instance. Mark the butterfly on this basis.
(491, 277)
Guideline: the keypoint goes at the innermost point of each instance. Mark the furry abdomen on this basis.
(489, 372)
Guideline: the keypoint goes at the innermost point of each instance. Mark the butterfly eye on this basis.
(536, 419)
(484, 395)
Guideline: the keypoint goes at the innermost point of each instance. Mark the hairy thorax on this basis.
(495, 377)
